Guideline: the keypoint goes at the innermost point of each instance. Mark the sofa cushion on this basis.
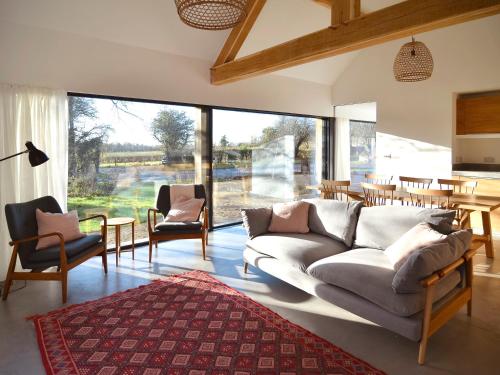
(427, 260)
(369, 274)
(297, 250)
(290, 217)
(421, 235)
(334, 219)
(256, 220)
(379, 227)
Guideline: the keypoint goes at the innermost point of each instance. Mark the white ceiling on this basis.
(155, 25)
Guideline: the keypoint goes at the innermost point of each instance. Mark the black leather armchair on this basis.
(166, 231)
(23, 229)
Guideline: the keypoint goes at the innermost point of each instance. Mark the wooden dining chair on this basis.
(415, 182)
(430, 198)
(338, 190)
(378, 194)
(379, 179)
(459, 186)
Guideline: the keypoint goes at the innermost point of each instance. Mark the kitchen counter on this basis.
(477, 174)
(477, 170)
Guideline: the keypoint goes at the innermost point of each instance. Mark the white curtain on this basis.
(342, 149)
(40, 116)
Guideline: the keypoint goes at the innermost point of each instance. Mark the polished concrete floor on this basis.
(463, 346)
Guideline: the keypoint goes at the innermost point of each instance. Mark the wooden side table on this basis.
(117, 222)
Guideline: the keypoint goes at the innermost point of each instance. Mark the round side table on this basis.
(117, 222)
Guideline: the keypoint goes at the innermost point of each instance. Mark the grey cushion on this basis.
(72, 248)
(334, 219)
(296, 250)
(369, 274)
(423, 262)
(379, 227)
(256, 220)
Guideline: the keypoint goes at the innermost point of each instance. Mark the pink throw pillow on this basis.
(66, 224)
(421, 235)
(185, 210)
(290, 217)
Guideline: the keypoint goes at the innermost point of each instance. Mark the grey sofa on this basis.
(342, 260)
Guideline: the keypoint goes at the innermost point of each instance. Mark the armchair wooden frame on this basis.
(433, 320)
(155, 236)
(62, 270)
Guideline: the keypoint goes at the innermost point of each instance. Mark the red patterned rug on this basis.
(189, 324)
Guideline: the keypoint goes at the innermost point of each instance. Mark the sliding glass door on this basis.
(260, 159)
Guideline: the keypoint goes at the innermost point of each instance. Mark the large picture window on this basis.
(120, 152)
(260, 159)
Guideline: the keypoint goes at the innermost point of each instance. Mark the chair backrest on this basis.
(458, 186)
(21, 221)
(337, 190)
(378, 194)
(430, 198)
(416, 182)
(163, 199)
(379, 179)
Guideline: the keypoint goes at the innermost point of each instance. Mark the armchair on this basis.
(167, 231)
(23, 229)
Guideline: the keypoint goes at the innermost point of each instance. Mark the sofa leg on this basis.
(245, 267)
(150, 250)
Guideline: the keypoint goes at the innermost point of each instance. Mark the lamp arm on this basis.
(11, 156)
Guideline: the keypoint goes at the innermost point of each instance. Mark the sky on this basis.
(237, 126)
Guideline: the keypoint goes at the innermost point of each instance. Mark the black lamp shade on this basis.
(35, 156)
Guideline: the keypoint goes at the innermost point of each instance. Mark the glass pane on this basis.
(121, 152)
(363, 136)
(260, 159)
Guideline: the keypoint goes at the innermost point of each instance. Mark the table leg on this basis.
(487, 233)
(133, 239)
(117, 242)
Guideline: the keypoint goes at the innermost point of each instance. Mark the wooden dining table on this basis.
(484, 204)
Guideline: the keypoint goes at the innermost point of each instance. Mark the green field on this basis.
(131, 201)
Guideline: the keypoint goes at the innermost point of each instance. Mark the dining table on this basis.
(484, 204)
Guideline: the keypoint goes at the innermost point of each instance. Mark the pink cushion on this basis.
(185, 210)
(420, 236)
(66, 224)
(290, 217)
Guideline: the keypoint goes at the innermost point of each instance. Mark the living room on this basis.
(129, 103)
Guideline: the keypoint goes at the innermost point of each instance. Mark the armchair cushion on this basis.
(179, 227)
(185, 210)
(67, 224)
(51, 255)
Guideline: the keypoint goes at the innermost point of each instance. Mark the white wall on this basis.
(60, 59)
(466, 59)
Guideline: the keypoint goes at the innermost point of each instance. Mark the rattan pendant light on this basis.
(211, 14)
(413, 62)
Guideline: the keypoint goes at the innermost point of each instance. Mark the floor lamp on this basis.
(35, 157)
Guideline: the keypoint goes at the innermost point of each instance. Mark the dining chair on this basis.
(378, 194)
(373, 178)
(332, 189)
(430, 198)
(416, 182)
(460, 186)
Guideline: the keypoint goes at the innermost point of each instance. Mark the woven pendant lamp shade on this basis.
(413, 62)
(211, 14)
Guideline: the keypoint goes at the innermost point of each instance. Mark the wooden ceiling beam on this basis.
(394, 22)
(240, 32)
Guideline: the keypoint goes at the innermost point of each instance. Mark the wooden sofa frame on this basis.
(156, 236)
(62, 270)
(433, 320)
